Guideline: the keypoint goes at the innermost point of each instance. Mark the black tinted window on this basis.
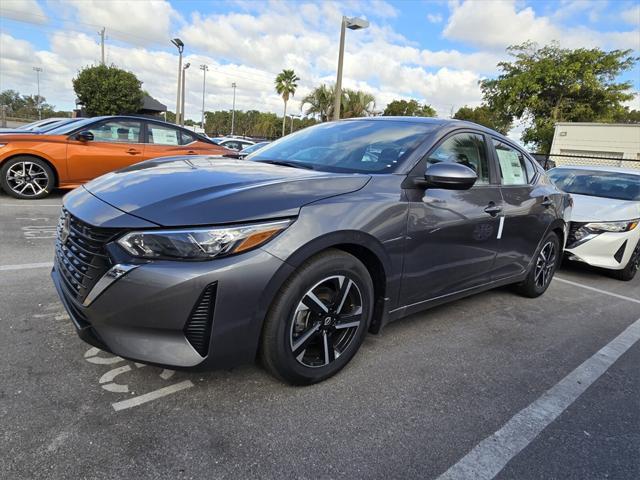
(348, 146)
(468, 149)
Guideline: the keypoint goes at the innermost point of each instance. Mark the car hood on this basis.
(207, 190)
(592, 209)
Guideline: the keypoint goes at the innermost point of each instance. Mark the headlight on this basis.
(599, 227)
(199, 243)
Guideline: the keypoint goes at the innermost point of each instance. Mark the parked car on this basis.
(604, 225)
(251, 149)
(40, 129)
(31, 165)
(204, 262)
(33, 126)
(234, 143)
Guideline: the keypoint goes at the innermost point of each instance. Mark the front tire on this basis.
(27, 178)
(544, 266)
(318, 319)
(629, 272)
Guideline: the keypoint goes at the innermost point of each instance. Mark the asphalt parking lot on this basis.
(488, 382)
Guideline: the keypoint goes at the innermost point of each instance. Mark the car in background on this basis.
(294, 254)
(32, 165)
(604, 230)
(234, 143)
(43, 128)
(251, 148)
(38, 124)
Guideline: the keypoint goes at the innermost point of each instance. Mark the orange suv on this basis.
(31, 165)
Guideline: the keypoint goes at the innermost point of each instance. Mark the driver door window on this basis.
(117, 132)
(467, 149)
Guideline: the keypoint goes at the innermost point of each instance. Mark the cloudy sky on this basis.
(434, 51)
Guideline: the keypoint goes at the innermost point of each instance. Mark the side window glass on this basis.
(117, 132)
(467, 149)
(513, 170)
(531, 169)
(161, 135)
(186, 138)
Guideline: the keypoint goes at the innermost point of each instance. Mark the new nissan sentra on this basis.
(294, 254)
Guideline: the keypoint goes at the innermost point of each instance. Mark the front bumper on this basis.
(610, 250)
(142, 315)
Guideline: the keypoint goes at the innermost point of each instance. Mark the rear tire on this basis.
(544, 266)
(318, 319)
(629, 272)
(27, 178)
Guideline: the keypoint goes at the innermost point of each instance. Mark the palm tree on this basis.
(320, 102)
(356, 103)
(286, 84)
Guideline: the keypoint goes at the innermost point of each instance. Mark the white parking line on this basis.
(147, 397)
(604, 292)
(24, 266)
(491, 455)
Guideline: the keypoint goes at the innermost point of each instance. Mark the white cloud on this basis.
(23, 10)
(434, 17)
(631, 15)
(496, 24)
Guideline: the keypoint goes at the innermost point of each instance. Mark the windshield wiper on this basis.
(285, 163)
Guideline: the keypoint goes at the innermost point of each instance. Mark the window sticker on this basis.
(164, 136)
(512, 171)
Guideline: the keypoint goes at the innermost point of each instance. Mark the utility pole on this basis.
(233, 110)
(101, 33)
(204, 69)
(180, 46)
(38, 70)
(184, 69)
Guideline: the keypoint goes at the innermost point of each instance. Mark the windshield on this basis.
(594, 183)
(70, 127)
(357, 146)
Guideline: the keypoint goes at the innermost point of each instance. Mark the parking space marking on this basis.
(593, 289)
(148, 397)
(24, 266)
(491, 455)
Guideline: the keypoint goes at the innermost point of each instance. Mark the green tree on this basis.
(356, 103)
(551, 84)
(26, 106)
(108, 90)
(627, 116)
(483, 115)
(320, 102)
(286, 83)
(411, 108)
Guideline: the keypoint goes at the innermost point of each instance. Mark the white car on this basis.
(234, 143)
(604, 229)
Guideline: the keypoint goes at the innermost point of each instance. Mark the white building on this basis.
(612, 143)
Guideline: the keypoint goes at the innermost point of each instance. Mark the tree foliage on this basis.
(26, 106)
(483, 115)
(286, 84)
(353, 103)
(411, 108)
(108, 90)
(251, 123)
(545, 85)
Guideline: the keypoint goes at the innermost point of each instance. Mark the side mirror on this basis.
(84, 136)
(451, 176)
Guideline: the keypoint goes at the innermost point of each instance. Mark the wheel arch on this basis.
(56, 175)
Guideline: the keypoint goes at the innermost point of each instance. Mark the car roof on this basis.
(598, 169)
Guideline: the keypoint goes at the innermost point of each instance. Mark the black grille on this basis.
(573, 228)
(198, 327)
(81, 257)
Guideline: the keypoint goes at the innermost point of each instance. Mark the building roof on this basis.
(151, 104)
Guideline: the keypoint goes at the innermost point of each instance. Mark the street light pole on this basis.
(184, 69)
(204, 69)
(38, 70)
(233, 110)
(180, 46)
(353, 23)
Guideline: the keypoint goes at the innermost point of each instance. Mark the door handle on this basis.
(546, 202)
(133, 151)
(493, 209)
(192, 152)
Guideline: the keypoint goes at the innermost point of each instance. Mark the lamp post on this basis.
(204, 69)
(233, 109)
(38, 70)
(184, 69)
(180, 46)
(353, 23)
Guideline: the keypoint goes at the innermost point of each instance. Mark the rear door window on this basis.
(512, 164)
(163, 135)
